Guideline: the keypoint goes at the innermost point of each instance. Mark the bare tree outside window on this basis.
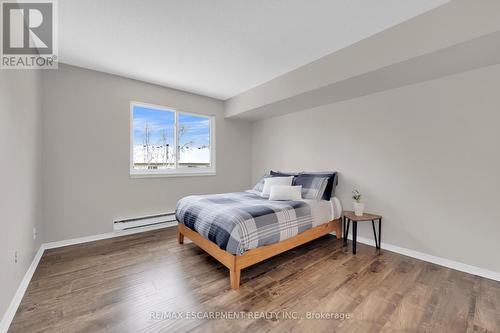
(145, 143)
(183, 129)
(165, 146)
(158, 144)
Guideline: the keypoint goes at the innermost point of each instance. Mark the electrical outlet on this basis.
(15, 257)
(34, 234)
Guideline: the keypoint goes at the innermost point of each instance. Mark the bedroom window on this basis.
(168, 142)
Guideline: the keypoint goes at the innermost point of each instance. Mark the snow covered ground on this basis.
(157, 155)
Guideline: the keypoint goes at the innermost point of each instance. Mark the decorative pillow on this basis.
(332, 182)
(260, 184)
(313, 187)
(283, 192)
(272, 181)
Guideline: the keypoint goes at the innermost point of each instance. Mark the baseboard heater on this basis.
(145, 221)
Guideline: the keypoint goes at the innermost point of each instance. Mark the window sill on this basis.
(172, 174)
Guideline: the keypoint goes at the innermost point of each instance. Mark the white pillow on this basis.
(283, 192)
(271, 181)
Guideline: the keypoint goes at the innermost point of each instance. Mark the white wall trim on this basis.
(117, 233)
(474, 270)
(18, 296)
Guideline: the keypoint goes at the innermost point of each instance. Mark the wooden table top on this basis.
(366, 216)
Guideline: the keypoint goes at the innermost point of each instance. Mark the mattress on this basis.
(241, 221)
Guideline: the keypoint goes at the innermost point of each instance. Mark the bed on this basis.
(243, 228)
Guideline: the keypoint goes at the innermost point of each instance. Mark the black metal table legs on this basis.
(354, 236)
(346, 230)
(377, 242)
(379, 232)
(346, 223)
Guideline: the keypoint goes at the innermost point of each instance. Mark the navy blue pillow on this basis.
(332, 182)
(283, 174)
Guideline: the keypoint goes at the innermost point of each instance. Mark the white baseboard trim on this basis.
(474, 270)
(117, 233)
(18, 296)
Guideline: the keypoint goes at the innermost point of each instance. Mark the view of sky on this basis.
(197, 130)
(161, 126)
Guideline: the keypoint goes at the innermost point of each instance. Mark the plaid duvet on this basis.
(238, 222)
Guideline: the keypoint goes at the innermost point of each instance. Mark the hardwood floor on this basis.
(133, 283)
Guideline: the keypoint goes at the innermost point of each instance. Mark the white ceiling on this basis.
(218, 48)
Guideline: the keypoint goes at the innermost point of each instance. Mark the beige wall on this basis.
(86, 152)
(20, 176)
(425, 157)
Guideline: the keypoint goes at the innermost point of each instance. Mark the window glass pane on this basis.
(153, 138)
(194, 141)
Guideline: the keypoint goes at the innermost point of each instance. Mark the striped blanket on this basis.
(238, 222)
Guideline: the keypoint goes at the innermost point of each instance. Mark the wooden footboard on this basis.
(251, 257)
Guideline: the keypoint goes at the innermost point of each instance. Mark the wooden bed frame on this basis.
(251, 257)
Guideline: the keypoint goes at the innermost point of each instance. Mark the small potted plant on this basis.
(359, 207)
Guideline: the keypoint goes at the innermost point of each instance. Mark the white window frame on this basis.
(177, 172)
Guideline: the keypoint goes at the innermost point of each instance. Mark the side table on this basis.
(349, 217)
